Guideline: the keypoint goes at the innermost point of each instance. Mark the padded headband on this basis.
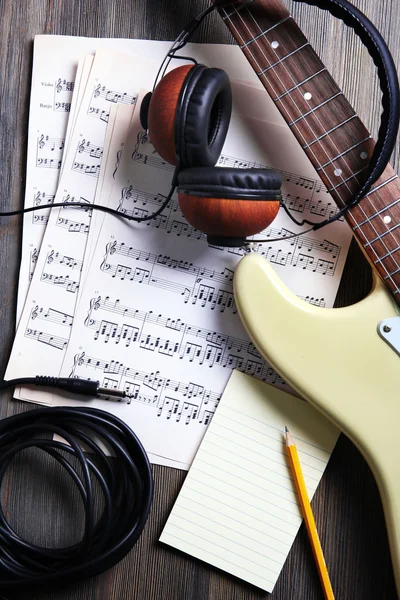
(228, 182)
(379, 52)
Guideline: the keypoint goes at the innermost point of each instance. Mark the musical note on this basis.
(90, 149)
(73, 226)
(52, 315)
(103, 115)
(62, 85)
(46, 338)
(101, 91)
(62, 106)
(61, 281)
(85, 169)
(159, 388)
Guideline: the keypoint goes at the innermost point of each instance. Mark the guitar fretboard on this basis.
(325, 125)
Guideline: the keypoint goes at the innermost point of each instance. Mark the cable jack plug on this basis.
(111, 393)
(82, 387)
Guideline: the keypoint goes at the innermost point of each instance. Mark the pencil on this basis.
(308, 516)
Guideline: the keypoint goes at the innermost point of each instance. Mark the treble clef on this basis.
(34, 312)
(36, 199)
(34, 256)
(50, 257)
(96, 92)
(41, 142)
(79, 360)
(59, 86)
(111, 247)
(81, 146)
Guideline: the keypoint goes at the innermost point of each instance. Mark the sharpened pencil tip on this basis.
(286, 429)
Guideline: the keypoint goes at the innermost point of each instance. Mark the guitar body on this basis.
(317, 351)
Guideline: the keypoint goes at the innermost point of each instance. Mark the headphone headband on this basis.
(380, 53)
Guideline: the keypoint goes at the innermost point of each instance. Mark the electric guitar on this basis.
(361, 392)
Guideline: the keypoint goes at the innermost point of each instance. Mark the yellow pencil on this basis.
(308, 516)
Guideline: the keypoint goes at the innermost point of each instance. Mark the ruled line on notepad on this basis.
(281, 443)
(260, 487)
(229, 540)
(267, 502)
(270, 481)
(264, 456)
(220, 557)
(188, 499)
(265, 424)
(238, 535)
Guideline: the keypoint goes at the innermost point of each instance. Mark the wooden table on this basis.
(347, 505)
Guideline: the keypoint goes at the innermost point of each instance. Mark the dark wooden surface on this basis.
(39, 503)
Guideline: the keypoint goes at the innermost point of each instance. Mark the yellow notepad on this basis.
(238, 509)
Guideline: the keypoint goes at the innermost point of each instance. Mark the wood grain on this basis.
(347, 505)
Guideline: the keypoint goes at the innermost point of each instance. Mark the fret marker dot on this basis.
(307, 96)
(364, 155)
(338, 172)
(387, 219)
(275, 44)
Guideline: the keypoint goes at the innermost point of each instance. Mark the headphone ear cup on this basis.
(162, 112)
(144, 110)
(229, 204)
(203, 116)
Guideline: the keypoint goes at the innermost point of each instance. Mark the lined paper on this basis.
(238, 509)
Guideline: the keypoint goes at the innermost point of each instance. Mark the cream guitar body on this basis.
(335, 359)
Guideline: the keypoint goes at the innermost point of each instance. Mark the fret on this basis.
(388, 254)
(307, 97)
(329, 132)
(345, 181)
(391, 275)
(381, 236)
(297, 86)
(253, 20)
(290, 73)
(350, 164)
(313, 110)
(345, 153)
(236, 10)
(375, 189)
(376, 214)
(281, 60)
(263, 33)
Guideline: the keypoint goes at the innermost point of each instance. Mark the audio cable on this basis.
(125, 483)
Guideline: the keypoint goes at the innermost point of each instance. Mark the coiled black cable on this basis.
(125, 481)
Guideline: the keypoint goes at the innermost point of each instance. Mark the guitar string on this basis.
(389, 275)
(316, 116)
(370, 200)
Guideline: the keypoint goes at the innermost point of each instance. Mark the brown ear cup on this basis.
(188, 115)
(229, 205)
(162, 112)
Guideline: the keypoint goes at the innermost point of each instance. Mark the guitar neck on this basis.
(325, 125)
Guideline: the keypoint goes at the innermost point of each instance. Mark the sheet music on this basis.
(157, 315)
(55, 63)
(165, 268)
(57, 275)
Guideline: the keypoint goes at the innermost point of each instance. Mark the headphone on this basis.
(187, 117)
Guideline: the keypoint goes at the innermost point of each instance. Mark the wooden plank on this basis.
(347, 504)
